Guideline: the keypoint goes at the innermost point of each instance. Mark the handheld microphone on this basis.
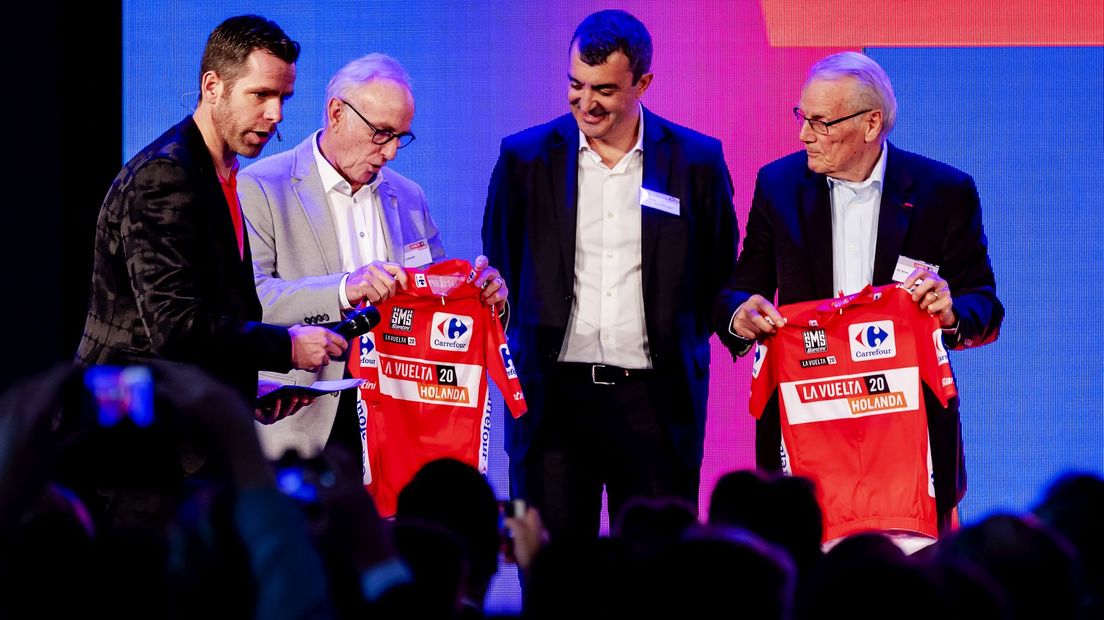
(358, 323)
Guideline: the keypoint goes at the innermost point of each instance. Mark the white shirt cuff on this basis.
(345, 305)
(742, 352)
(731, 320)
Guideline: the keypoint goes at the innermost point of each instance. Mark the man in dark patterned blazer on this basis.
(173, 275)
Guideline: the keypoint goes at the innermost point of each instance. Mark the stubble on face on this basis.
(246, 114)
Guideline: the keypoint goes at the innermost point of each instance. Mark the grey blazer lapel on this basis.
(392, 222)
(307, 184)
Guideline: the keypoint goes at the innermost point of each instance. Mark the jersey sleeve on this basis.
(364, 358)
(935, 368)
(500, 364)
(763, 382)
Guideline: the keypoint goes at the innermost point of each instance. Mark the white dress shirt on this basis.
(356, 219)
(607, 317)
(855, 208)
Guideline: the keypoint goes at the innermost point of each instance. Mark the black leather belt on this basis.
(604, 374)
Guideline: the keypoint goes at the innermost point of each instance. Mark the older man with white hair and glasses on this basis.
(844, 213)
(332, 228)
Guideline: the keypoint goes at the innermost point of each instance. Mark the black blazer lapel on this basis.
(657, 177)
(893, 217)
(815, 208)
(212, 197)
(563, 166)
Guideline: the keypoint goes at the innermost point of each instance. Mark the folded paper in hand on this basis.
(270, 390)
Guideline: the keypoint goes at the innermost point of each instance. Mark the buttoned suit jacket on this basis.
(167, 281)
(929, 211)
(297, 266)
(529, 233)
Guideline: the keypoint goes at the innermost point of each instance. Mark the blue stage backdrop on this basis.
(1020, 121)
(1026, 122)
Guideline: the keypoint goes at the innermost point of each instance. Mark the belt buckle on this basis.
(594, 378)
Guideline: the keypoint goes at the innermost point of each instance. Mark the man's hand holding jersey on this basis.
(933, 294)
(374, 282)
(756, 319)
(491, 281)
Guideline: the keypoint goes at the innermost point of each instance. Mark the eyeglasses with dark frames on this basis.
(383, 136)
(821, 127)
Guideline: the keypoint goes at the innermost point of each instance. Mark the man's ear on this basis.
(335, 110)
(211, 87)
(642, 84)
(873, 126)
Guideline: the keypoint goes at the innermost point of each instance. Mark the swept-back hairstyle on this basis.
(230, 44)
(875, 91)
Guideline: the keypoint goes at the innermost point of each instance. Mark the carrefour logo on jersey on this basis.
(451, 332)
(871, 341)
(507, 361)
(757, 363)
(368, 358)
(940, 351)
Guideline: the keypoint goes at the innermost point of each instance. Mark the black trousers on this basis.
(594, 435)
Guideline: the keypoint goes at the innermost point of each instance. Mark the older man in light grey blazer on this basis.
(331, 227)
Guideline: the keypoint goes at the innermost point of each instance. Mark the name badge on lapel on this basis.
(659, 201)
(417, 254)
(906, 265)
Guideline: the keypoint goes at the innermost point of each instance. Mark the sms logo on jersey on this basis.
(368, 357)
(871, 341)
(816, 341)
(402, 319)
(507, 361)
(757, 362)
(451, 332)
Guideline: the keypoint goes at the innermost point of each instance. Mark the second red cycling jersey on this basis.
(849, 375)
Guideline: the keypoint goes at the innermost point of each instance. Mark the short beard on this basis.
(223, 119)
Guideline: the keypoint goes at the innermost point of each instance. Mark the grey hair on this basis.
(359, 72)
(874, 88)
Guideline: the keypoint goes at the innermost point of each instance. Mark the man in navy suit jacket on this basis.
(616, 230)
(839, 216)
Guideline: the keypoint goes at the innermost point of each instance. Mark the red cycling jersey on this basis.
(849, 375)
(425, 365)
